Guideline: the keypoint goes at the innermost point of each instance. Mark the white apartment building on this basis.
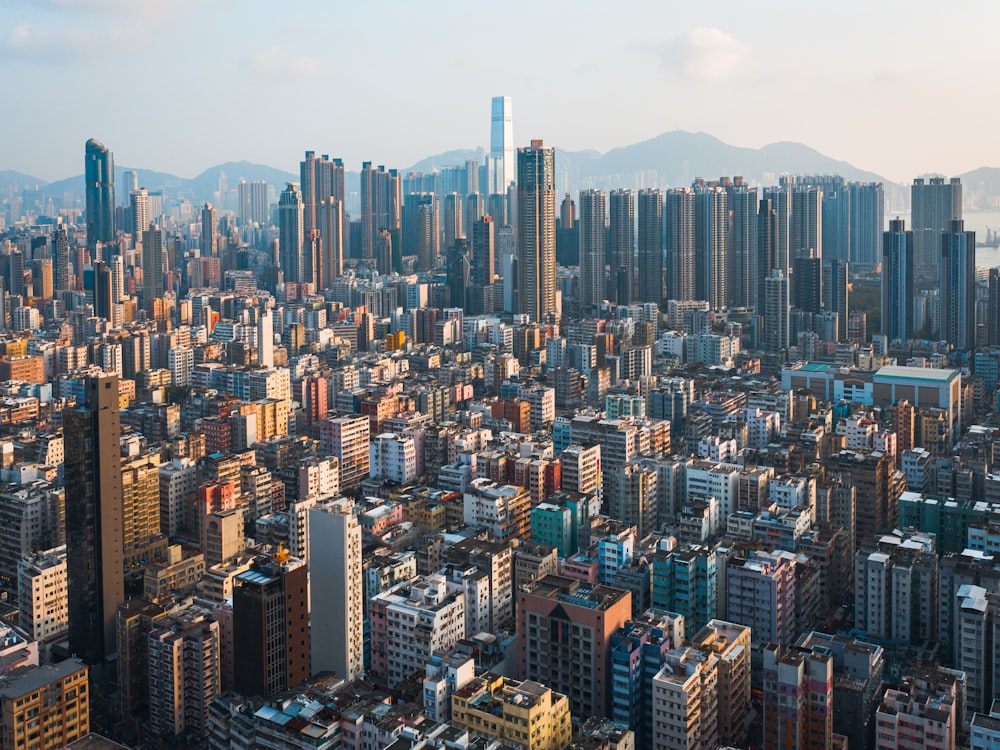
(42, 597)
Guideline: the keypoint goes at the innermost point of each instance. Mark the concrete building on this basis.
(760, 593)
(685, 701)
(393, 457)
(51, 702)
(337, 590)
(564, 632)
(347, 438)
(798, 698)
(41, 588)
(925, 711)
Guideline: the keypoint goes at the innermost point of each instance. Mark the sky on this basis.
(898, 88)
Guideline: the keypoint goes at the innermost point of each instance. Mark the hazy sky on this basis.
(899, 88)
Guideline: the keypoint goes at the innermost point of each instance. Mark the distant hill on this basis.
(9, 178)
(983, 184)
(207, 182)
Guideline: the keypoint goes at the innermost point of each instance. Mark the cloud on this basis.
(703, 54)
(26, 44)
(273, 63)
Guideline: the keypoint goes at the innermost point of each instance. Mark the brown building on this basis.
(44, 707)
(515, 411)
(27, 369)
(271, 626)
(564, 632)
(878, 485)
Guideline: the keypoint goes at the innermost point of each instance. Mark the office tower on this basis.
(62, 281)
(291, 232)
(130, 183)
(958, 287)
(836, 293)
(898, 290)
(650, 246)
(459, 275)
(475, 209)
(867, 220)
(183, 655)
(338, 605)
(271, 625)
(777, 322)
(806, 226)
(153, 268)
(502, 144)
(381, 204)
(209, 231)
(798, 698)
(253, 203)
(571, 624)
(99, 173)
(780, 200)
(140, 213)
(934, 205)
(97, 283)
(711, 217)
(679, 218)
(94, 524)
(592, 249)
(536, 235)
(453, 227)
(807, 283)
(421, 229)
(621, 286)
(567, 213)
(331, 227)
(49, 704)
(742, 247)
(483, 251)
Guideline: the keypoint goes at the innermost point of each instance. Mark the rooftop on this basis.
(916, 373)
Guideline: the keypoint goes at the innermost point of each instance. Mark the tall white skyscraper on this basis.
(502, 144)
(335, 563)
(265, 339)
(140, 213)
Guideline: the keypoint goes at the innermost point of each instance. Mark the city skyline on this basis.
(702, 67)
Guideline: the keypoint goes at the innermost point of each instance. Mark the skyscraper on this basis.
(898, 289)
(99, 173)
(806, 222)
(453, 227)
(710, 235)
(621, 284)
(253, 202)
(934, 204)
(958, 287)
(592, 249)
(836, 293)
(140, 213)
(780, 234)
(481, 297)
(331, 232)
(867, 220)
(209, 231)
(679, 217)
(320, 178)
(153, 267)
(291, 232)
(743, 247)
(381, 204)
(94, 524)
(651, 246)
(776, 312)
(536, 236)
(338, 607)
(502, 143)
(61, 259)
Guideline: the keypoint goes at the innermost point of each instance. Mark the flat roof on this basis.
(929, 374)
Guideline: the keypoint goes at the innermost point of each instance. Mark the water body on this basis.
(978, 222)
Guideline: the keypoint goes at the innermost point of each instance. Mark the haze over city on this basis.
(895, 88)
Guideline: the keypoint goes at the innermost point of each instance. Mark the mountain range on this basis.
(670, 159)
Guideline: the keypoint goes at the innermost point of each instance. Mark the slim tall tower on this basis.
(536, 236)
(331, 220)
(99, 173)
(776, 312)
(140, 213)
(781, 205)
(712, 270)
(806, 222)
(153, 267)
(381, 204)
(291, 232)
(338, 608)
(651, 246)
(592, 249)
(61, 259)
(621, 285)
(867, 220)
(958, 287)
(898, 289)
(743, 247)
(678, 215)
(94, 524)
(502, 143)
(209, 231)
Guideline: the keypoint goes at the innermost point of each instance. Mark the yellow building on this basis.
(524, 714)
(44, 706)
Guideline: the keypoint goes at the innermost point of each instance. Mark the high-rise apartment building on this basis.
(99, 174)
(806, 226)
(958, 287)
(777, 320)
(621, 286)
(347, 438)
(154, 264)
(679, 219)
(321, 178)
(593, 237)
(209, 231)
(711, 217)
(48, 704)
(650, 246)
(867, 219)
(94, 524)
(253, 203)
(502, 151)
(798, 698)
(934, 205)
(742, 246)
(536, 236)
(271, 625)
(336, 577)
(61, 261)
(291, 232)
(381, 204)
(564, 630)
(836, 293)
(139, 200)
